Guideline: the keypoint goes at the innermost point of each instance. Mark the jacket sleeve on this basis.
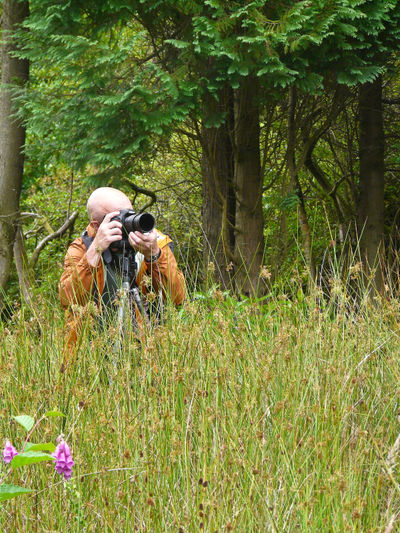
(166, 275)
(77, 279)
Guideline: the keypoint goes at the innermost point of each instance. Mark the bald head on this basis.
(104, 200)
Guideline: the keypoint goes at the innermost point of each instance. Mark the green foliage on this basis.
(40, 447)
(107, 87)
(49, 198)
(126, 97)
(30, 458)
(53, 414)
(11, 491)
(30, 454)
(25, 421)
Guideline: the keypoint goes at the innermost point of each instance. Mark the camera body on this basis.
(132, 221)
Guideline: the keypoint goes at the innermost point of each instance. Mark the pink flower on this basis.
(64, 462)
(9, 452)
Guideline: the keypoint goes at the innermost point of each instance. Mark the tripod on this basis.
(129, 295)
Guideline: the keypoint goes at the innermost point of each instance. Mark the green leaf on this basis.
(54, 413)
(10, 491)
(243, 69)
(25, 421)
(29, 458)
(42, 446)
(177, 43)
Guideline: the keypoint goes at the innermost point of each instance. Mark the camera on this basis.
(132, 221)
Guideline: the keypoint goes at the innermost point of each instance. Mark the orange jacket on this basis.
(76, 283)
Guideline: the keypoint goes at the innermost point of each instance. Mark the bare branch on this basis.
(188, 134)
(391, 101)
(68, 223)
(26, 215)
(141, 190)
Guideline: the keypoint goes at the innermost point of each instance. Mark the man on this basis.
(87, 275)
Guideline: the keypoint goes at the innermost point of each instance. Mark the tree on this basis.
(219, 202)
(12, 132)
(372, 171)
(248, 185)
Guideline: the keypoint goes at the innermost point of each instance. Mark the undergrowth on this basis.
(278, 415)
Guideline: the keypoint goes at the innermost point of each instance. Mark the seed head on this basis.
(265, 273)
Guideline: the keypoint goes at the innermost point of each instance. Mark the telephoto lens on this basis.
(131, 221)
(143, 222)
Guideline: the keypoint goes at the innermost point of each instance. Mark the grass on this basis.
(231, 417)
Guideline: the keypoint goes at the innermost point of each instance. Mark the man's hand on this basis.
(146, 243)
(108, 232)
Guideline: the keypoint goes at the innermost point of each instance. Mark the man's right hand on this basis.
(108, 232)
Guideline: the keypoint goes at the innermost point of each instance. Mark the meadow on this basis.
(276, 415)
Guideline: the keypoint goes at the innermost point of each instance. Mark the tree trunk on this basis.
(291, 162)
(248, 182)
(25, 274)
(218, 211)
(12, 134)
(371, 192)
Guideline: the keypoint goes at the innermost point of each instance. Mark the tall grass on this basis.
(272, 416)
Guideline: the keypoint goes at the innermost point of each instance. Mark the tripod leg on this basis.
(138, 301)
(123, 309)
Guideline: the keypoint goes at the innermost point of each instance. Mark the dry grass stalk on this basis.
(391, 457)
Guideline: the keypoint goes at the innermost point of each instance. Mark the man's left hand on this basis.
(146, 243)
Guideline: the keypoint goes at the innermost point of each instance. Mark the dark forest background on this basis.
(263, 136)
